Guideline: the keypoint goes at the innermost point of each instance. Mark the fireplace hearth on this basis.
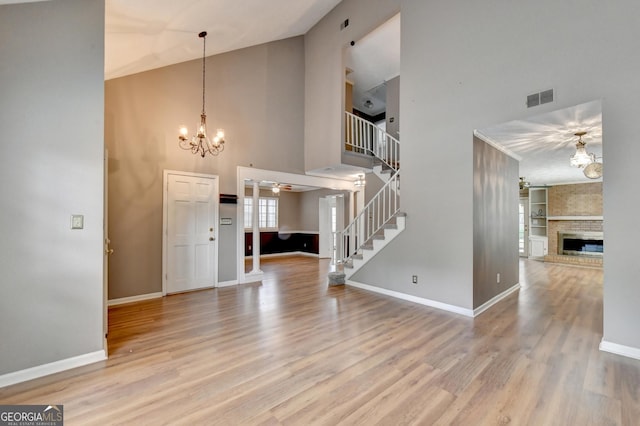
(581, 243)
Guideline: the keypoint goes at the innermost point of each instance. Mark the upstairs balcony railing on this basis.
(364, 137)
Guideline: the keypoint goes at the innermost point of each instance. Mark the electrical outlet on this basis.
(414, 279)
(498, 278)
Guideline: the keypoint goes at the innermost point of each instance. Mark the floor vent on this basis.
(540, 98)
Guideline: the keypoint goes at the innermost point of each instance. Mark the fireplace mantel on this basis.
(574, 218)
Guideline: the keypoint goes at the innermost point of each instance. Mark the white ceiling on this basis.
(545, 142)
(145, 34)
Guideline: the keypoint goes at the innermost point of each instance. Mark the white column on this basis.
(256, 228)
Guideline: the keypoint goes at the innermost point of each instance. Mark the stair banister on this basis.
(371, 219)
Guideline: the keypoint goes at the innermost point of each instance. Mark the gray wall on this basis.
(495, 222)
(255, 94)
(309, 207)
(469, 65)
(324, 74)
(393, 107)
(51, 166)
(289, 211)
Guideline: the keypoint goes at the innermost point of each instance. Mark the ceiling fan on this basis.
(277, 187)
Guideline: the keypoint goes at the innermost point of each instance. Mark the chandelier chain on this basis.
(204, 52)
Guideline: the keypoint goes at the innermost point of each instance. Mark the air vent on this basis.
(540, 98)
(546, 96)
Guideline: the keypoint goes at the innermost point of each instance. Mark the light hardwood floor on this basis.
(293, 351)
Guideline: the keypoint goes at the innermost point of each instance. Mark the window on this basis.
(267, 213)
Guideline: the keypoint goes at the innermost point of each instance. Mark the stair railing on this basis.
(364, 137)
(370, 220)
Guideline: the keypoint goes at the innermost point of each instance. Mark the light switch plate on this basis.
(77, 221)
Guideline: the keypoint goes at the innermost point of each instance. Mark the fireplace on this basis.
(580, 243)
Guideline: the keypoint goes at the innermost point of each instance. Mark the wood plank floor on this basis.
(293, 351)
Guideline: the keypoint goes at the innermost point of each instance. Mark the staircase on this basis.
(381, 220)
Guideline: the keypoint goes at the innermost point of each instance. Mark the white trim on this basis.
(285, 254)
(618, 349)
(138, 298)
(496, 145)
(477, 311)
(282, 231)
(229, 283)
(414, 299)
(575, 217)
(52, 368)
(251, 277)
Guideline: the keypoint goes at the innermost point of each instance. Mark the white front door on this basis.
(191, 257)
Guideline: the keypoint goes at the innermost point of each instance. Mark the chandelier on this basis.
(581, 158)
(360, 181)
(200, 142)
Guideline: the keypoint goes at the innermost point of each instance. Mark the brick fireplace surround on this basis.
(574, 208)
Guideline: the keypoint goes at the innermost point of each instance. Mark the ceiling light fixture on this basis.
(360, 181)
(275, 188)
(200, 143)
(593, 170)
(523, 184)
(581, 158)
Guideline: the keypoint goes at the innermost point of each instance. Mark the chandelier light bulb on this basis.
(183, 133)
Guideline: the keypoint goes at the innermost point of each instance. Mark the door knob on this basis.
(211, 238)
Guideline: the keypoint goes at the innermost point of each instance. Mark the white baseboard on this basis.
(495, 300)
(138, 298)
(51, 368)
(252, 277)
(229, 283)
(617, 349)
(415, 299)
(288, 253)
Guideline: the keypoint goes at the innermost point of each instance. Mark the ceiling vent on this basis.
(540, 98)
